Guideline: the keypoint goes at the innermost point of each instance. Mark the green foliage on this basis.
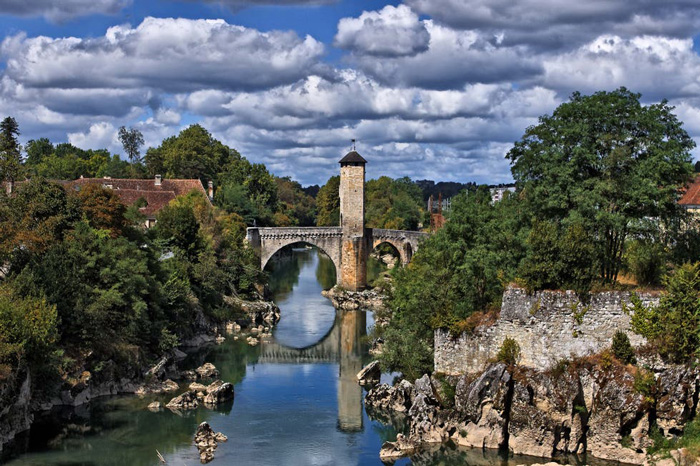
(461, 269)
(11, 168)
(509, 352)
(608, 162)
(394, 204)
(559, 257)
(622, 349)
(193, 153)
(27, 328)
(646, 261)
(131, 140)
(295, 207)
(328, 203)
(674, 325)
(645, 384)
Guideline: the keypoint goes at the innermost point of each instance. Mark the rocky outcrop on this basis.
(370, 374)
(206, 441)
(258, 312)
(593, 405)
(15, 410)
(354, 300)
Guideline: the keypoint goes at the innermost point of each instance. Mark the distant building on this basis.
(498, 193)
(691, 197)
(156, 193)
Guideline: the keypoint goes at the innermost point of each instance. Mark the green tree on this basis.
(608, 161)
(674, 325)
(328, 203)
(131, 140)
(11, 168)
(460, 270)
(394, 204)
(193, 153)
(103, 209)
(38, 150)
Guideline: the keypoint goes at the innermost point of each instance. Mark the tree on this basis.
(608, 161)
(328, 203)
(674, 325)
(103, 209)
(131, 140)
(38, 150)
(10, 157)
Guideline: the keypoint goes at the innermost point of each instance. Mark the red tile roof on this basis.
(156, 196)
(691, 196)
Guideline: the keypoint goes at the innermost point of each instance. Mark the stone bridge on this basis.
(269, 241)
(349, 244)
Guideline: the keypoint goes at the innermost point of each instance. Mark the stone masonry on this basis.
(548, 326)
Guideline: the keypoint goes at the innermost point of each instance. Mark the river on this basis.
(297, 401)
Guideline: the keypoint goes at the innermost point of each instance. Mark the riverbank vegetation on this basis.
(598, 184)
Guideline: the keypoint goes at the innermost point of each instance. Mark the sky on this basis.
(431, 89)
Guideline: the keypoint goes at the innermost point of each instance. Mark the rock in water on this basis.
(206, 441)
(218, 392)
(207, 371)
(187, 400)
(370, 374)
(391, 451)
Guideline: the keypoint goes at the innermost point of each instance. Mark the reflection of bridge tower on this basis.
(353, 259)
(353, 326)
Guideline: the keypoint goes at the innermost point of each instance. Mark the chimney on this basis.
(158, 180)
(210, 190)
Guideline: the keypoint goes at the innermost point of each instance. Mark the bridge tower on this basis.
(354, 249)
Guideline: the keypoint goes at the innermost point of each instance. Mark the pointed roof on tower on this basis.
(353, 157)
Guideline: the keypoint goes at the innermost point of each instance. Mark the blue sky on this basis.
(436, 89)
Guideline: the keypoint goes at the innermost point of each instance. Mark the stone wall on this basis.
(548, 326)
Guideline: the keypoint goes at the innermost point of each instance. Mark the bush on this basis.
(646, 261)
(509, 352)
(674, 325)
(622, 349)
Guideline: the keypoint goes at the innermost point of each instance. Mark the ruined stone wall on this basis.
(548, 326)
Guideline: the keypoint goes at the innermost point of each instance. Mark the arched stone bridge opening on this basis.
(268, 241)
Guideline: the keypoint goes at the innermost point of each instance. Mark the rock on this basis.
(189, 375)
(186, 401)
(259, 312)
(391, 451)
(219, 392)
(484, 403)
(206, 441)
(676, 390)
(156, 387)
(387, 398)
(155, 406)
(354, 300)
(370, 374)
(207, 371)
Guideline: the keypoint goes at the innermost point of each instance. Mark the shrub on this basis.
(674, 325)
(646, 261)
(622, 349)
(509, 352)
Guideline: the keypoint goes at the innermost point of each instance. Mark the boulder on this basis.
(676, 390)
(207, 371)
(392, 451)
(186, 401)
(219, 392)
(387, 398)
(155, 406)
(370, 374)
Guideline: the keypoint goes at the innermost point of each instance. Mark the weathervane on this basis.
(353, 143)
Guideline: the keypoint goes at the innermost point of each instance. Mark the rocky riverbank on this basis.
(372, 299)
(20, 399)
(594, 406)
